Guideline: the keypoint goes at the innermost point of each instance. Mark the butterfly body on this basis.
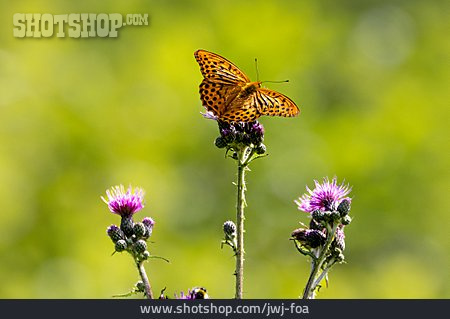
(230, 95)
(249, 89)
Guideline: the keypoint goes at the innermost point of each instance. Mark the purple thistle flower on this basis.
(242, 132)
(195, 293)
(257, 128)
(124, 203)
(325, 197)
(183, 296)
(225, 132)
(256, 132)
(228, 133)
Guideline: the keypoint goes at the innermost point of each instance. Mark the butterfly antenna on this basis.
(284, 81)
(257, 75)
(257, 71)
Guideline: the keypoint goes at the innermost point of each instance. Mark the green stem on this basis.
(322, 275)
(312, 283)
(240, 225)
(143, 274)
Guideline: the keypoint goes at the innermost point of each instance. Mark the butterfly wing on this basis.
(216, 68)
(216, 97)
(272, 103)
(246, 112)
(243, 108)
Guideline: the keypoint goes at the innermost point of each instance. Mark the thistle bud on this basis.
(335, 216)
(139, 230)
(140, 286)
(227, 132)
(220, 142)
(318, 215)
(346, 220)
(126, 225)
(344, 207)
(229, 228)
(260, 149)
(244, 138)
(148, 223)
(115, 233)
(140, 246)
(121, 245)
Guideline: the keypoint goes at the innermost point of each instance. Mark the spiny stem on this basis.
(240, 230)
(317, 265)
(143, 274)
(314, 270)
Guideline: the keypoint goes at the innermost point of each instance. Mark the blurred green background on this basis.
(80, 115)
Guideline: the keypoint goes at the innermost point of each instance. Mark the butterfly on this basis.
(230, 95)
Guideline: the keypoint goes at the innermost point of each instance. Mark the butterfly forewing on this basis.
(218, 69)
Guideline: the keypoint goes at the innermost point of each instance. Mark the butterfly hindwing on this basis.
(218, 69)
(216, 97)
(242, 110)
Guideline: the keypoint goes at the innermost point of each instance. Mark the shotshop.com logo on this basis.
(73, 25)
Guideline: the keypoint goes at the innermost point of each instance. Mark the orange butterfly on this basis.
(230, 95)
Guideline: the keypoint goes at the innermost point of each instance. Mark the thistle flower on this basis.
(251, 133)
(124, 203)
(241, 132)
(182, 295)
(195, 293)
(256, 132)
(131, 237)
(324, 240)
(324, 197)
